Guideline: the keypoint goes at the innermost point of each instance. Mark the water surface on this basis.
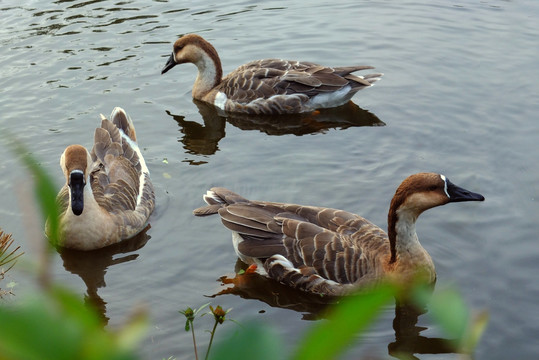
(459, 96)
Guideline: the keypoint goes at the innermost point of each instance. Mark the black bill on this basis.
(169, 65)
(458, 194)
(76, 184)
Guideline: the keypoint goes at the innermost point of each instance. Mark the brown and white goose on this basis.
(330, 251)
(108, 195)
(270, 86)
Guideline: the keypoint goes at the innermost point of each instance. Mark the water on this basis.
(459, 96)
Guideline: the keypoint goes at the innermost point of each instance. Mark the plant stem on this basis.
(211, 339)
(194, 340)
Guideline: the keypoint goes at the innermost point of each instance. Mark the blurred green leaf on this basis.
(448, 309)
(44, 188)
(31, 332)
(476, 330)
(56, 325)
(450, 312)
(252, 341)
(131, 333)
(327, 339)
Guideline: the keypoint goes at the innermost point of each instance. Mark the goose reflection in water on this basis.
(203, 139)
(251, 285)
(91, 266)
(408, 339)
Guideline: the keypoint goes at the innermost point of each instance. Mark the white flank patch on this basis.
(236, 240)
(332, 99)
(220, 100)
(284, 262)
(210, 194)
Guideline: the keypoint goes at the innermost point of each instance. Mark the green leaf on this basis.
(253, 341)
(44, 189)
(200, 308)
(57, 325)
(327, 339)
(129, 336)
(30, 332)
(476, 330)
(449, 310)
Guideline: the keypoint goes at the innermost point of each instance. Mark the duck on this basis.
(333, 252)
(268, 86)
(108, 195)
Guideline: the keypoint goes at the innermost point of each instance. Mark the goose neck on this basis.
(402, 234)
(210, 73)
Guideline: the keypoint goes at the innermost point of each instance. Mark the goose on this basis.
(108, 195)
(329, 251)
(269, 86)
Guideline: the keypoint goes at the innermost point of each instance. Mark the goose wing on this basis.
(269, 77)
(315, 249)
(115, 178)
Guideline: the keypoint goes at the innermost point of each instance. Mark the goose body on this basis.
(269, 86)
(329, 251)
(108, 195)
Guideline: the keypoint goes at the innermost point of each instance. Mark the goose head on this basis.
(417, 193)
(76, 165)
(420, 192)
(191, 48)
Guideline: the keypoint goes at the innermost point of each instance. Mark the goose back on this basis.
(119, 196)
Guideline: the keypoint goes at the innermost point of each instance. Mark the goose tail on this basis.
(217, 198)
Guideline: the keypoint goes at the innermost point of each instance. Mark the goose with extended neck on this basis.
(329, 251)
(269, 86)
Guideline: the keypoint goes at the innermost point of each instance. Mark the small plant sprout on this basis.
(190, 315)
(219, 316)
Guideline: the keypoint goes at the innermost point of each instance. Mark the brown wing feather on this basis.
(269, 77)
(315, 249)
(115, 180)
